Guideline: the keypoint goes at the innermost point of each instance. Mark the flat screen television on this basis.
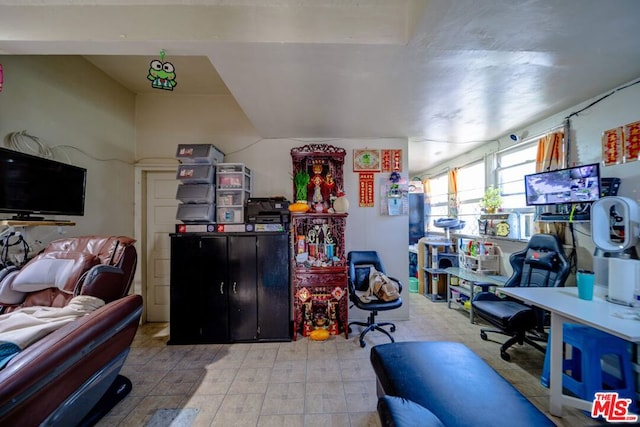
(32, 185)
(578, 184)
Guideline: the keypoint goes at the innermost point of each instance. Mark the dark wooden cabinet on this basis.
(274, 289)
(229, 288)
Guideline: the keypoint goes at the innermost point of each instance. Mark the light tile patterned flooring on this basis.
(302, 383)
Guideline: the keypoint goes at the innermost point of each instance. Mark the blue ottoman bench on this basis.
(451, 382)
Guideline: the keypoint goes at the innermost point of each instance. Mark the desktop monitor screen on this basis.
(578, 184)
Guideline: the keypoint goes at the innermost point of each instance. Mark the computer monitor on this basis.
(578, 184)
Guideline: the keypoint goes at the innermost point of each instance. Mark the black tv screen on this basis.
(35, 185)
(578, 184)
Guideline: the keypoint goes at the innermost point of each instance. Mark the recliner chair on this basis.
(71, 376)
(542, 263)
(360, 263)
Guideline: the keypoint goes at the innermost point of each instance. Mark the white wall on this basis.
(69, 104)
(366, 228)
(164, 120)
(585, 147)
(66, 100)
(270, 161)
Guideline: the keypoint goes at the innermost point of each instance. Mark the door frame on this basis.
(140, 224)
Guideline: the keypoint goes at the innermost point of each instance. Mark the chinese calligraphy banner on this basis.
(612, 153)
(631, 141)
(621, 145)
(391, 160)
(366, 196)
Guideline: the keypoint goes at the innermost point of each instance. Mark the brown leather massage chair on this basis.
(71, 376)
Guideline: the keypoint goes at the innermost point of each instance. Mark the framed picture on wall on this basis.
(365, 160)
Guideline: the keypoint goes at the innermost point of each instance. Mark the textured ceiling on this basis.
(448, 75)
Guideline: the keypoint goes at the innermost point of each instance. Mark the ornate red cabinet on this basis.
(319, 267)
(319, 273)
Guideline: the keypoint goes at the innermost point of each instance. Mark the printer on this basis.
(267, 210)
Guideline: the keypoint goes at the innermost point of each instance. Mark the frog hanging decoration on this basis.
(162, 74)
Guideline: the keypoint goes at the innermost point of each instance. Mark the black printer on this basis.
(267, 210)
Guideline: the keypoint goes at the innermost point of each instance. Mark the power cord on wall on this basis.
(22, 141)
(573, 256)
(575, 113)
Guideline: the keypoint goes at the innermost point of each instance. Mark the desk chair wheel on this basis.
(505, 356)
(483, 335)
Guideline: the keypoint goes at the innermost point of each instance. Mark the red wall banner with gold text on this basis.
(366, 193)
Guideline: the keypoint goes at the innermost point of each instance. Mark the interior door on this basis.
(161, 206)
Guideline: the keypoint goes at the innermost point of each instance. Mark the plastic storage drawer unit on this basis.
(195, 173)
(195, 213)
(196, 193)
(199, 153)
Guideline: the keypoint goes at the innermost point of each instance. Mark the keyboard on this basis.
(548, 216)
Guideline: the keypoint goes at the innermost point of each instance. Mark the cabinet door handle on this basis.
(234, 287)
(221, 288)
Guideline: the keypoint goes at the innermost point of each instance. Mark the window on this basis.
(438, 200)
(513, 165)
(471, 184)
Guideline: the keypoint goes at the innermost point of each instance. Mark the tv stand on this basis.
(33, 223)
(27, 218)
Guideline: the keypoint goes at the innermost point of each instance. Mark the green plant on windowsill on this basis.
(492, 200)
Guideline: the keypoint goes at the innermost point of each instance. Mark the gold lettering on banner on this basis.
(366, 193)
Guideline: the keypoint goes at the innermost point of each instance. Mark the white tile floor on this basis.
(301, 383)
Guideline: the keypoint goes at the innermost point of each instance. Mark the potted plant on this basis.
(300, 181)
(492, 200)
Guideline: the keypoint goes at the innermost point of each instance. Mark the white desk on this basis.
(565, 306)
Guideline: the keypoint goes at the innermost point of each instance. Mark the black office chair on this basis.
(360, 263)
(542, 263)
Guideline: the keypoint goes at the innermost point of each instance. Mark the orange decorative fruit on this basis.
(319, 334)
(299, 207)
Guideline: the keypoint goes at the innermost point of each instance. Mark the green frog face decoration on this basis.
(162, 74)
